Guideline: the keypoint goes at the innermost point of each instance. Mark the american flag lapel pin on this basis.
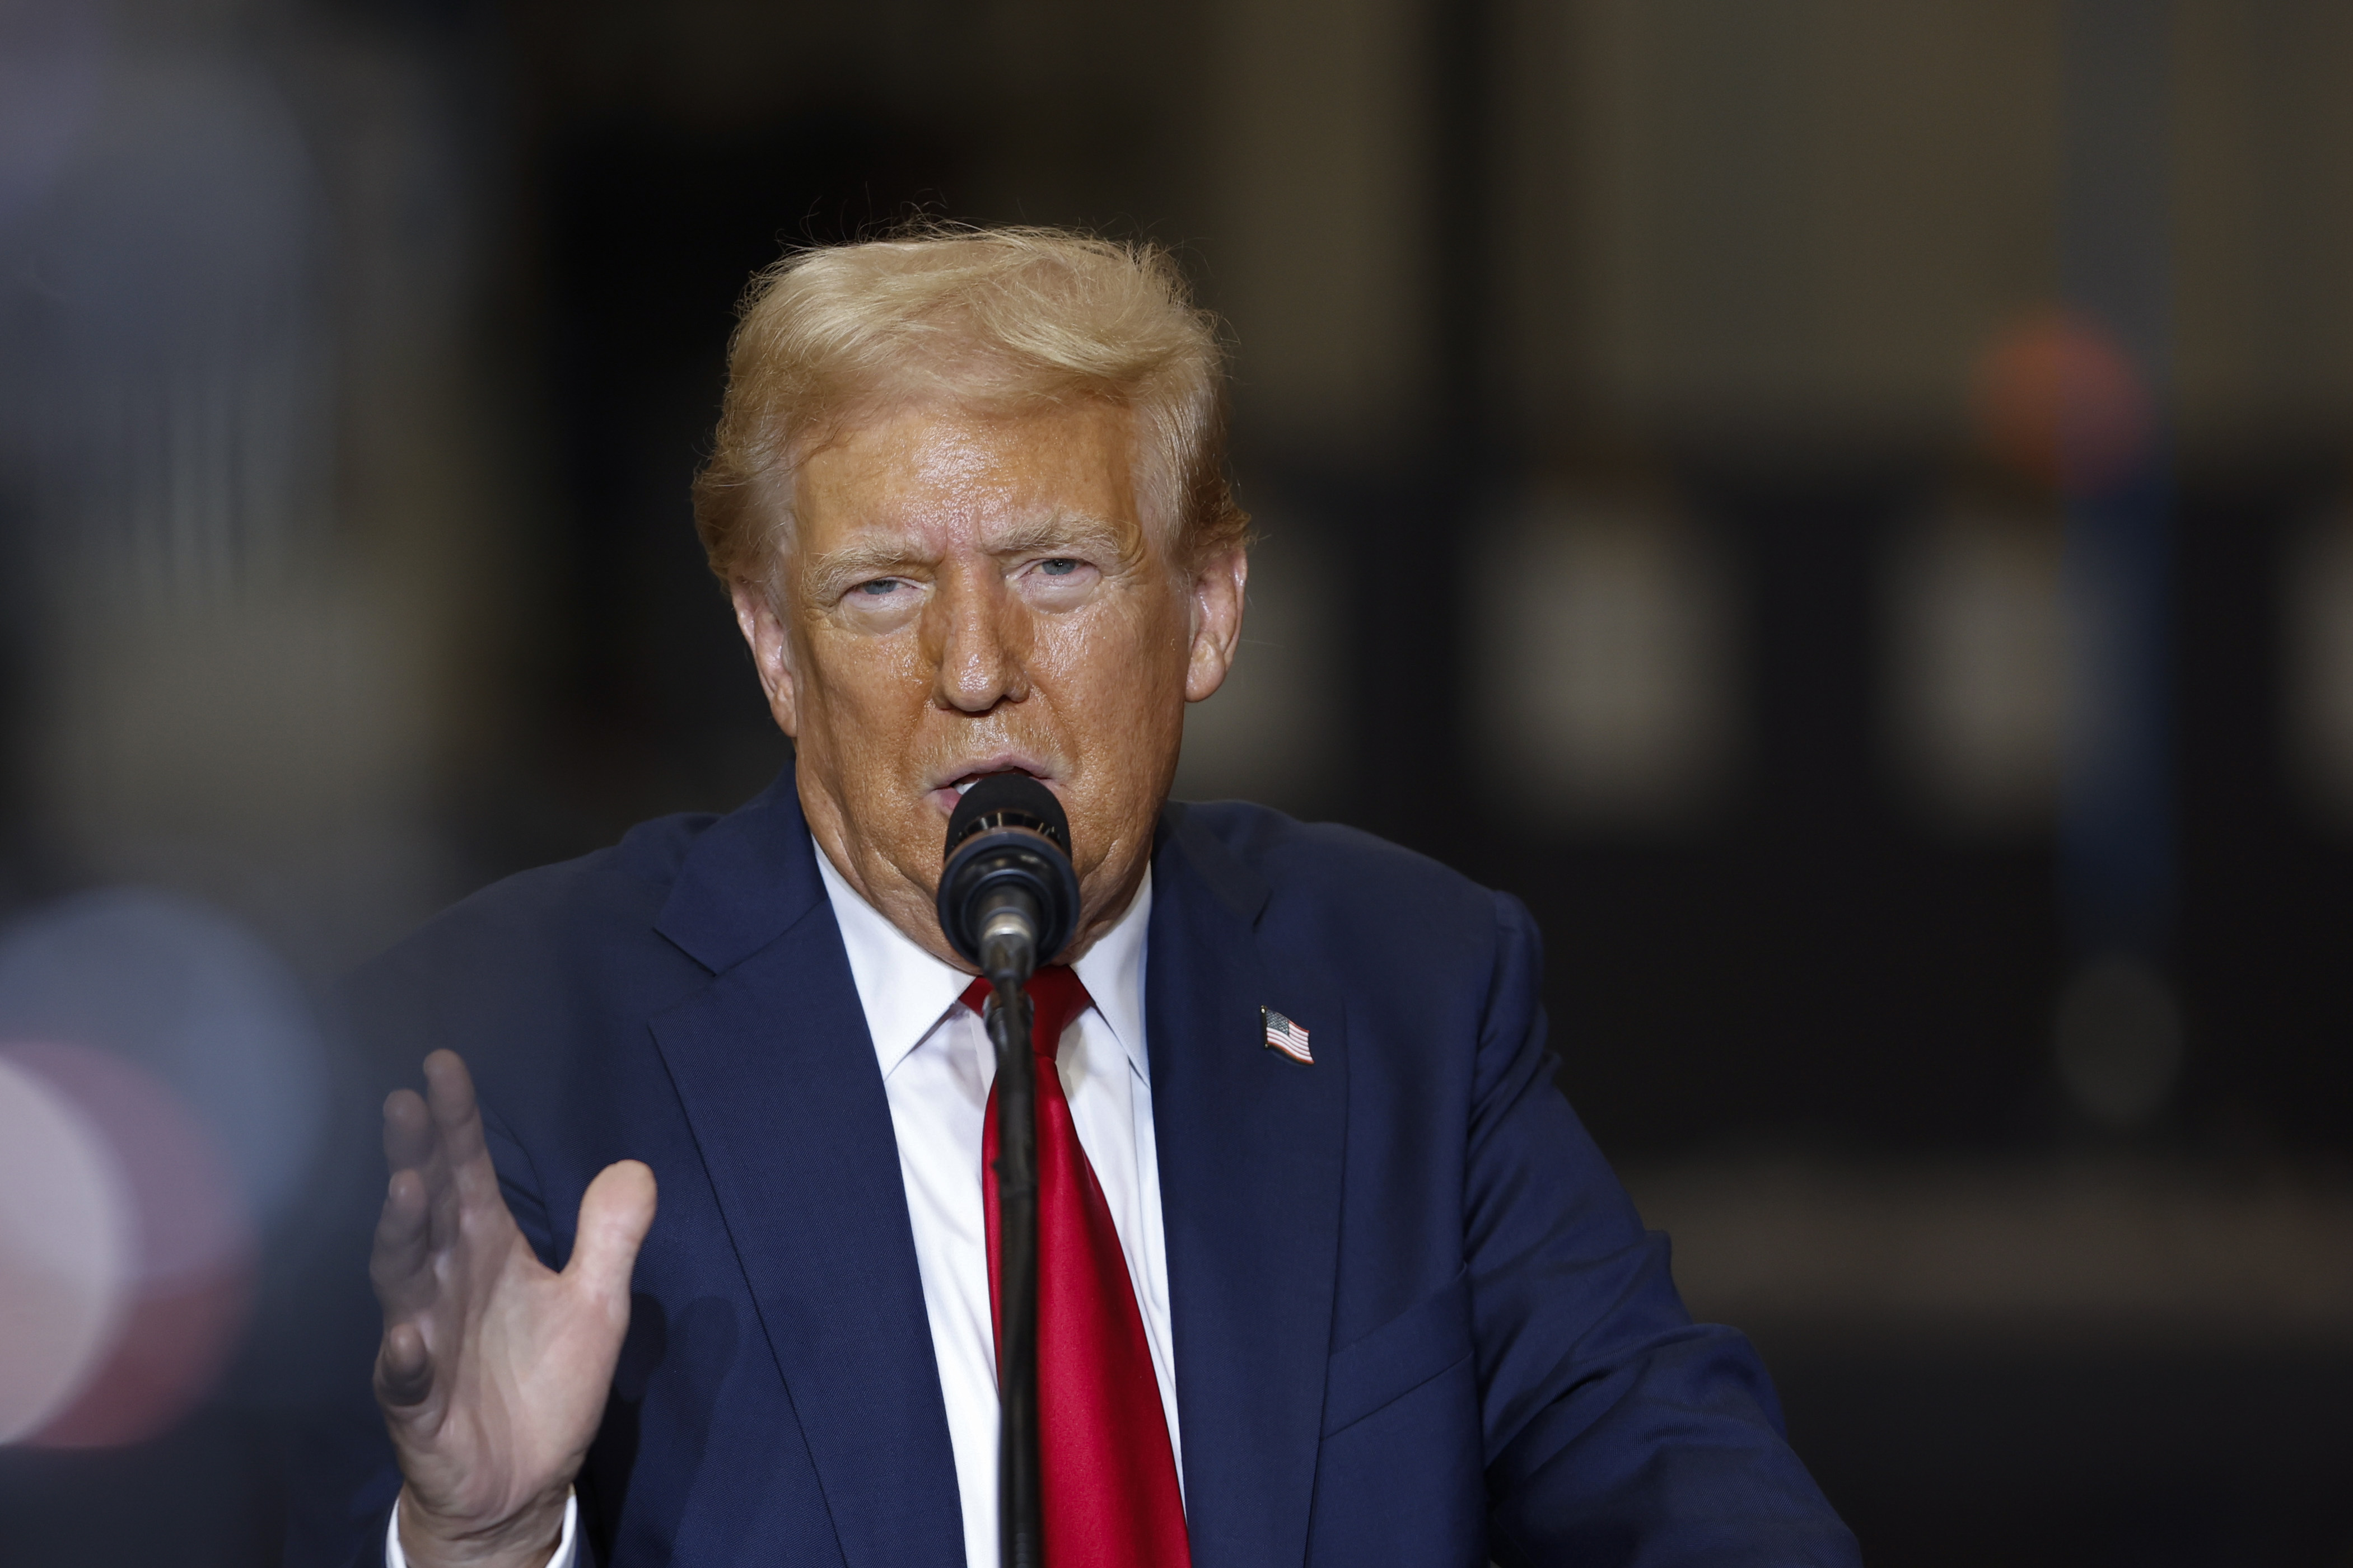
(1282, 1035)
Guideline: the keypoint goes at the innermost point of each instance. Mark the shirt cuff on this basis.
(394, 1557)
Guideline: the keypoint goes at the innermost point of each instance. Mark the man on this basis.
(1349, 1283)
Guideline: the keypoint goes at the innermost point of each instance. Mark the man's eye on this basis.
(879, 586)
(1059, 566)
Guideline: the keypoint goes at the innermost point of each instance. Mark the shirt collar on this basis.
(905, 991)
(1113, 973)
(902, 989)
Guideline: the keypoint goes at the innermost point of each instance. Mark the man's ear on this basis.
(772, 653)
(1217, 613)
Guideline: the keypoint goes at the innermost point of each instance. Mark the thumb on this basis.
(615, 1214)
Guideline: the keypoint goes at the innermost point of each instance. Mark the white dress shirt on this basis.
(937, 1066)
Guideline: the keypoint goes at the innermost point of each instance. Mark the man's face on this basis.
(969, 594)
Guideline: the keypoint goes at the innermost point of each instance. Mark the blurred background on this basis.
(1845, 507)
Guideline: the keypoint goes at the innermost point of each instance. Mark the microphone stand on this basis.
(1021, 1535)
(1008, 896)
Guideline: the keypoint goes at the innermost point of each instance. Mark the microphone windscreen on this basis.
(993, 799)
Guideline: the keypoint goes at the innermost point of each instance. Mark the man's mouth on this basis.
(964, 784)
(945, 795)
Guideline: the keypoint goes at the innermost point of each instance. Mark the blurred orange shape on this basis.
(2057, 399)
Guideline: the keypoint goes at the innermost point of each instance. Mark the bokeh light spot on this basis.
(2058, 401)
(69, 1238)
(171, 1312)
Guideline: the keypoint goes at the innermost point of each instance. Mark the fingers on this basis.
(400, 1264)
(458, 1121)
(407, 1129)
(440, 1169)
(404, 1367)
(616, 1212)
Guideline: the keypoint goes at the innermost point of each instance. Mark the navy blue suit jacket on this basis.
(1417, 1320)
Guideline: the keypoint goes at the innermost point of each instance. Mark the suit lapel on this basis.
(1250, 1145)
(778, 1074)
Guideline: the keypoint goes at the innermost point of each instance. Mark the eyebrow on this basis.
(1064, 531)
(838, 569)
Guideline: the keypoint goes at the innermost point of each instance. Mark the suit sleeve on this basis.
(1617, 1430)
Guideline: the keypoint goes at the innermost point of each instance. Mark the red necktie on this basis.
(1108, 1477)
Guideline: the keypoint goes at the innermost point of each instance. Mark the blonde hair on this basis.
(988, 318)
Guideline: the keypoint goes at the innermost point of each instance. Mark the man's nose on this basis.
(978, 633)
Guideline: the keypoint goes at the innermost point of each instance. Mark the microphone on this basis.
(1008, 896)
(1008, 900)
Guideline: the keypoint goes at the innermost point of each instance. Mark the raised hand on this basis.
(494, 1369)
